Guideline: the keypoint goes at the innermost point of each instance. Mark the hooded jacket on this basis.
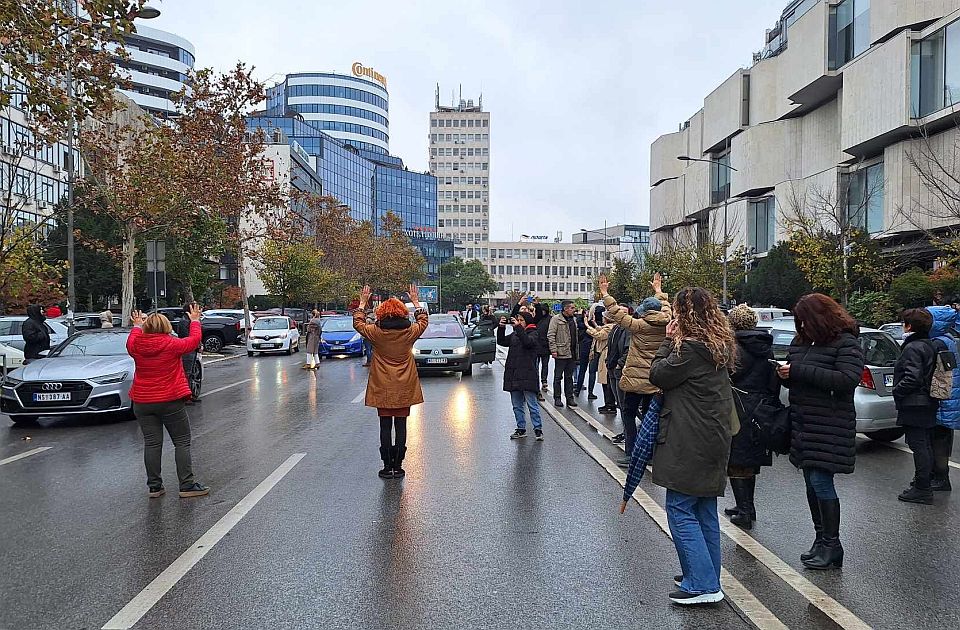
(36, 338)
(159, 375)
(757, 380)
(647, 332)
(520, 370)
(944, 320)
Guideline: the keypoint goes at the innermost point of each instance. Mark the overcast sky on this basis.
(577, 90)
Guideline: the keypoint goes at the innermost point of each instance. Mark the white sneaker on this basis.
(689, 599)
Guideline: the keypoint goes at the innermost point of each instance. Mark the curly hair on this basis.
(392, 308)
(820, 320)
(742, 317)
(699, 317)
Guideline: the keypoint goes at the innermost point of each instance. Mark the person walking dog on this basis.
(393, 385)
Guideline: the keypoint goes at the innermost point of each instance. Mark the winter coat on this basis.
(314, 330)
(823, 419)
(757, 380)
(693, 444)
(912, 374)
(393, 382)
(560, 340)
(944, 321)
(617, 346)
(601, 339)
(520, 370)
(36, 337)
(542, 319)
(159, 375)
(586, 341)
(647, 332)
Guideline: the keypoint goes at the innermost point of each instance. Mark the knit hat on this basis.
(650, 304)
(742, 317)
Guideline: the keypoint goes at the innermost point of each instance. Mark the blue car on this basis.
(337, 337)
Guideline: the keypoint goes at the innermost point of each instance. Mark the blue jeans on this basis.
(695, 528)
(821, 482)
(523, 401)
(367, 350)
(579, 375)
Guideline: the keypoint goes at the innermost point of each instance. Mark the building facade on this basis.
(839, 115)
(628, 242)
(157, 66)
(355, 108)
(460, 160)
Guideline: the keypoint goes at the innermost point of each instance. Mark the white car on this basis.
(771, 314)
(11, 331)
(273, 333)
(10, 357)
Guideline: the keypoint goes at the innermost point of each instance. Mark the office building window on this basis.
(720, 178)
(935, 71)
(761, 224)
(849, 31)
(865, 198)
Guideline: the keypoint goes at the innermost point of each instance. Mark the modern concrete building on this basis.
(629, 242)
(827, 120)
(157, 67)
(460, 160)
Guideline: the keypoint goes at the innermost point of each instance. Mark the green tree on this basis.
(912, 289)
(97, 244)
(188, 257)
(464, 282)
(624, 282)
(691, 265)
(396, 263)
(873, 308)
(27, 277)
(293, 271)
(776, 280)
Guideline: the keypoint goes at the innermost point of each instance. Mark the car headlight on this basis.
(11, 382)
(461, 350)
(355, 338)
(414, 351)
(107, 379)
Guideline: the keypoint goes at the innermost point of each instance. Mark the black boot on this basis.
(387, 472)
(741, 517)
(398, 453)
(817, 525)
(830, 553)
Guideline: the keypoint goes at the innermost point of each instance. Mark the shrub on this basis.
(912, 289)
(873, 308)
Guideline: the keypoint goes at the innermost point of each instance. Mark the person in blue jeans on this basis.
(520, 372)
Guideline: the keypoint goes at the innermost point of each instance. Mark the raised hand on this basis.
(604, 284)
(194, 312)
(657, 283)
(365, 294)
(414, 295)
(137, 318)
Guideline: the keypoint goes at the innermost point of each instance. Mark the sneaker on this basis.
(689, 599)
(196, 490)
(608, 411)
(572, 403)
(940, 485)
(592, 397)
(916, 495)
(557, 402)
(678, 580)
(386, 472)
(519, 433)
(539, 434)
(155, 493)
(540, 397)
(543, 386)
(619, 438)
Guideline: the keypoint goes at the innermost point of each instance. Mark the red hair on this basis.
(820, 319)
(392, 308)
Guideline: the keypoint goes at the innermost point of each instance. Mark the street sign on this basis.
(428, 295)
(556, 307)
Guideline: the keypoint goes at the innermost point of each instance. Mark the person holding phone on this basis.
(520, 372)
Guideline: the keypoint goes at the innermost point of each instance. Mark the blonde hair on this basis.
(157, 323)
(699, 317)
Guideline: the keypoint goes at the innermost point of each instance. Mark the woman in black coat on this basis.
(756, 379)
(36, 337)
(520, 372)
(824, 367)
(916, 409)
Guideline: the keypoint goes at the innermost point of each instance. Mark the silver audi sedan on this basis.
(90, 373)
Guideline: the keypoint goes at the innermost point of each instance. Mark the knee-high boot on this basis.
(814, 504)
(398, 453)
(741, 492)
(830, 553)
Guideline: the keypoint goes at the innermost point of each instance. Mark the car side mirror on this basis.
(293, 325)
(43, 354)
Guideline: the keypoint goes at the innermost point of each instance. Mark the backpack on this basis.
(941, 383)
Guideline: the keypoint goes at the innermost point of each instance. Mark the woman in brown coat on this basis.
(393, 385)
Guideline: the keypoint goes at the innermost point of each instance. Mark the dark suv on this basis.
(217, 331)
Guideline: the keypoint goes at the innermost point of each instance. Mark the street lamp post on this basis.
(726, 201)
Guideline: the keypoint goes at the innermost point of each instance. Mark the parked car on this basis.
(337, 336)
(770, 314)
(90, 373)
(10, 357)
(273, 333)
(217, 331)
(895, 330)
(10, 331)
(873, 399)
(446, 346)
(88, 321)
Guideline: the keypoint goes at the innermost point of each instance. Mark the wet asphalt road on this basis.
(482, 533)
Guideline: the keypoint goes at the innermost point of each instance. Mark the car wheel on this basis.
(213, 344)
(288, 351)
(885, 435)
(196, 380)
(23, 420)
(297, 349)
(467, 371)
(249, 354)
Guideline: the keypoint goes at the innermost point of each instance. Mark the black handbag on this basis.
(772, 424)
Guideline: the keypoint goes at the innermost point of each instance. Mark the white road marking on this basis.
(32, 451)
(737, 593)
(830, 607)
(155, 590)
(359, 397)
(227, 358)
(220, 389)
(900, 447)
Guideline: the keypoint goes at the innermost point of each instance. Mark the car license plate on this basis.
(48, 397)
(436, 361)
(336, 347)
(888, 380)
(269, 345)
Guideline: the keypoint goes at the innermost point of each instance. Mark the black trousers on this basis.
(563, 370)
(633, 405)
(921, 443)
(942, 450)
(544, 360)
(154, 418)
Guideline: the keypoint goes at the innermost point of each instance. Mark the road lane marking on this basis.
(900, 447)
(234, 356)
(155, 590)
(32, 451)
(220, 389)
(745, 601)
(829, 606)
(359, 397)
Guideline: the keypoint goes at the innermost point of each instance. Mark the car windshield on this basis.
(340, 324)
(271, 323)
(93, 345)
(878, 349)
(447, 329)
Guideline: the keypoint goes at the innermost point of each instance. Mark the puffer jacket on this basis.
(912, 374)
(757, 380)
(520, 370)
(945, 320)
(647, 332)
(36, 337)
(823, 418)
(158, 376)
(601, 338)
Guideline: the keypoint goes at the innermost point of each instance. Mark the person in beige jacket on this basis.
(601, 335)
(647, 329)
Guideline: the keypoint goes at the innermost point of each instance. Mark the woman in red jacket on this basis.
(159, 394)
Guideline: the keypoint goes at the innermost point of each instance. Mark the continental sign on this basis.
(359, 70)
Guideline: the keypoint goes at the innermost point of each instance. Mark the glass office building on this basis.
(156, 66)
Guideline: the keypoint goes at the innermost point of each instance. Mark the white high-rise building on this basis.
(460, 160)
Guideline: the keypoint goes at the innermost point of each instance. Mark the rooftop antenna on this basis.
(461, 94)
(437, 97)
